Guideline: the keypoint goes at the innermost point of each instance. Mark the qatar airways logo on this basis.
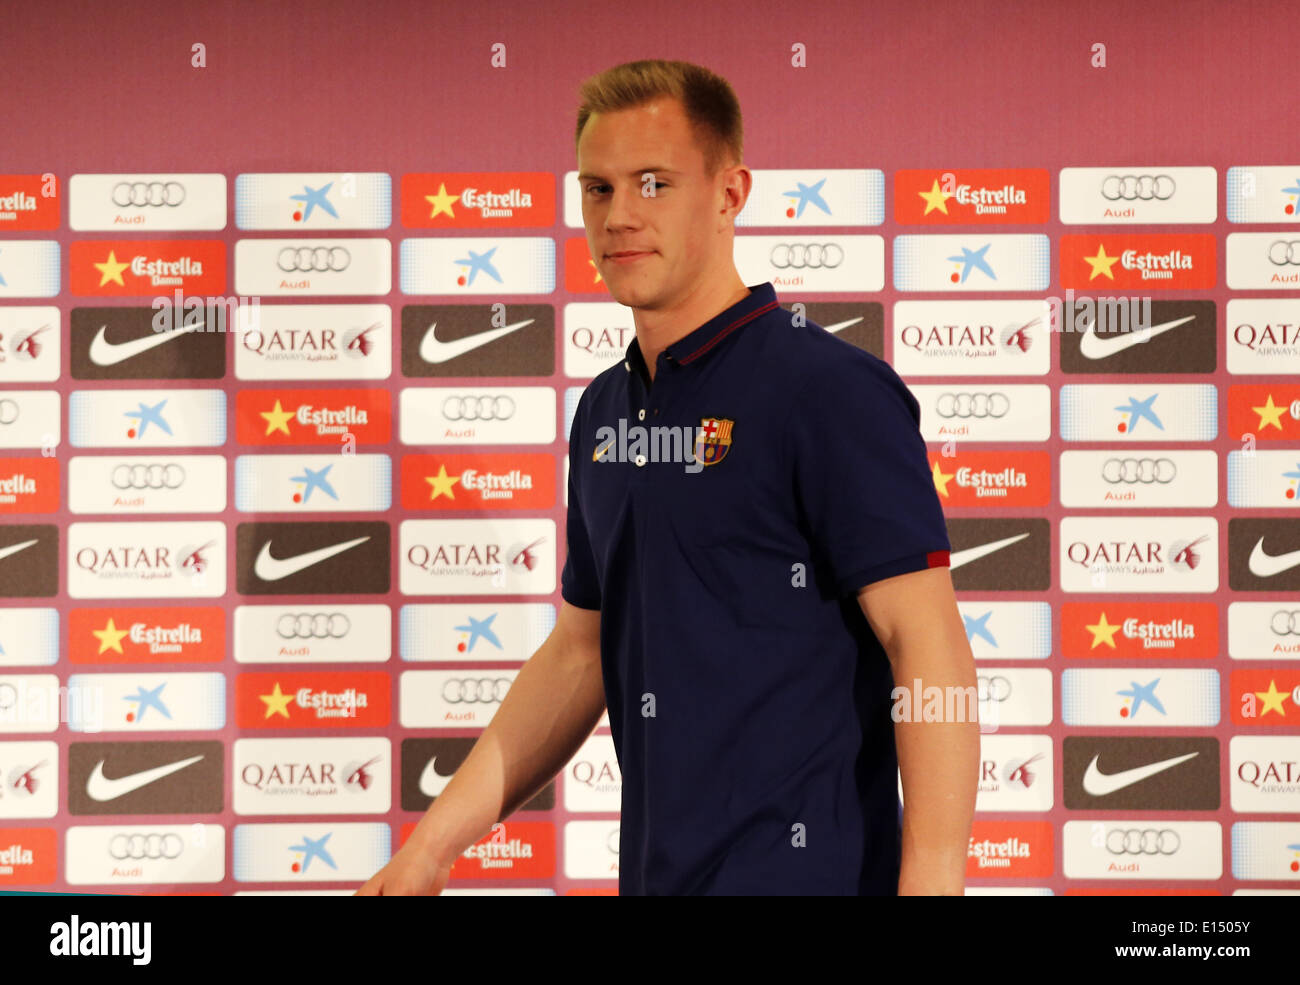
(1134, 557)
(144, 562)
(311, 345)
(990, 201)
(1156, 266)
(475, 559)
(973, 340)
(1268, 340)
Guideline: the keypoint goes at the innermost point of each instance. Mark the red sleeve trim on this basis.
(936, 559)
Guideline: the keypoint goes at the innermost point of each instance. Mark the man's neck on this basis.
(657, 330)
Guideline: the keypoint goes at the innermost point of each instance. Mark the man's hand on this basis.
(413, 871)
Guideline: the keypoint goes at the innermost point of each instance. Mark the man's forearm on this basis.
(939, 765)
(550, 710)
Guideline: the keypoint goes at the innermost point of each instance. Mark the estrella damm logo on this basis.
(713, 440)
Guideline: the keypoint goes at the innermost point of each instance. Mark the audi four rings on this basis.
(1142, 841)
(473, 690)
(154, 193)
(806, 256)
(1131, 187)
(312, 626)
(8, 410)
(308, 259)
(1285, 622)
(1130, 470)
(462, 408)
(972, 404)
(155, 475)
(1284, 252)
(141, 846)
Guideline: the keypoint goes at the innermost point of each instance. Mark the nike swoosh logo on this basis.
(1266, 565)
(274, 568)
(15, 548)
(434, 351)
(432, 782)
(595, 455)
(1094, 347)
(106, 353)
(1099, 784)
(958, 558)
(101, 788)
(840, 325)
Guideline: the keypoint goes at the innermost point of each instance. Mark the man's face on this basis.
(669, 222)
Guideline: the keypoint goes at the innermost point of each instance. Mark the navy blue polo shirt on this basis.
(748, 698)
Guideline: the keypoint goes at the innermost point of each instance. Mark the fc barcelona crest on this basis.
(713, 440)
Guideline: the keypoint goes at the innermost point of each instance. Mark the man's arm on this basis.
(549, 711)
(915, 617)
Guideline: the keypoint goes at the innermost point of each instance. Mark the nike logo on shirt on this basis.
(101, 788)
(1099, 784)
(432, 350)
(270, 568)
(1267, 565)
(106, 353)
(1094, 347)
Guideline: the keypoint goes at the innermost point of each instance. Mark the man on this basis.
(741, 609)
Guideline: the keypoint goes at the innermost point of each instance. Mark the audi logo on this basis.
(8, 410)
(152, 476)
(155, 193)
(472, 690)
(1142, 841)
(1285, 622)
(312, 625)
(994, 688)
(8, 697)
(153, 846)
(1137, 186)
(613, 840)
(1282, 252)
(460, 408)
(803, 256)
(1147, 470)
(972, 404)
(308, 259)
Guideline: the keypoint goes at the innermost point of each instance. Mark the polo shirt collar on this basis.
(698, 344)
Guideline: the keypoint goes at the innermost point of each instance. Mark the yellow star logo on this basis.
(1102, 632)
(1270, 414)
(442, 202)
(595, 270)
(277, 702)
(111, 270)
(941, 479)
(442, 483)
(1101, 263)
(110, 637)
(1274, 700)
(935, 199)
(277, 418)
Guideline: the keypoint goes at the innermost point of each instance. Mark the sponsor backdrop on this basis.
(268, 567)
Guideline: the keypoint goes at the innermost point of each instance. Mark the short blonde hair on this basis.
(707, 99)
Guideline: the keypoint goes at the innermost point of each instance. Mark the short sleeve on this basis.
(861, 477)
(579, 584)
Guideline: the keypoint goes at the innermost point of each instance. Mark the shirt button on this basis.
(640, 415)
(627, 365)
(640, 460)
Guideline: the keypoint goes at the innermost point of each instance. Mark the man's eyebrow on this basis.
(657, 169)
